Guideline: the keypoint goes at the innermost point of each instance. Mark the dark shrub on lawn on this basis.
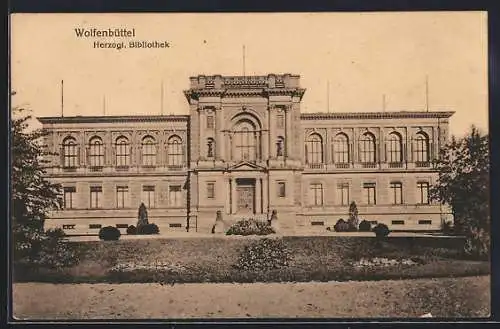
(381, 230)
(148, 229)
(365, 226)
(341, 226)
(109, 233)
(250, 227)
(447, 228)
(131, 230)
(263, 254)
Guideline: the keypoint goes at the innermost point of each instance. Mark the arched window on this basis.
(96, 152)
(341, 149)
(148, 151)
(174, 151)
(122, 152)
(245, 143)
(210, 148)
(70, 153)
(394, 148)
(421, 149)
(280, 144)
(367, 148)
(314, 149)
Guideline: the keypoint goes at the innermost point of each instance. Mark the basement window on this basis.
(398, 222)
(175, 225)
(95, 226)
(425, 222)
(121, 225)
(68, 226)
(317, 223)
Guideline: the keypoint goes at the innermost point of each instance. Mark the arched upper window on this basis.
(210, 148)
(280, 145)
(421, 148)
(367, 148)
(314, 149)
(122, 151)
(245, 141)
(96, 152)
(394, 148)
(341, 148)
(148, 151)
(175, 151)
(69, 153)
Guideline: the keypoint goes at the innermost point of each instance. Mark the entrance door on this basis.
(246, 200)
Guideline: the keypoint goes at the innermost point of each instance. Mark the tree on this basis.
(464, 185)
(353, 217)
(33, 196)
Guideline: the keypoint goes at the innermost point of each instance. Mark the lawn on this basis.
(442, 297)
(319, 258)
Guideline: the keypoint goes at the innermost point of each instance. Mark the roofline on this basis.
(376, 115)
(114, 118)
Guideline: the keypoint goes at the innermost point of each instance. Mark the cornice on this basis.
(112, 119)
(377, 115)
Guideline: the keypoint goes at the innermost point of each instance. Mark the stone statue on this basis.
(273, 221)
(219, 223)
(142, 217)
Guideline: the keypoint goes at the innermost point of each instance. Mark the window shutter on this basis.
(386, 155)
(411, 150)
(405, 154)
(430, 157)
(87, 156)
(61, 155)
(113, 156)
(78, 157)
(306, 154)
(333, 153)
(351, 153)
(130, 156)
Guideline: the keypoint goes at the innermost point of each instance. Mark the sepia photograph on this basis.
(245, 166)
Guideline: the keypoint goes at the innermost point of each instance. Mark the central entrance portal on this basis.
(245, 189)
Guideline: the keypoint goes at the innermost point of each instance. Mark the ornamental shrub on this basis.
(381, 230)
(365, 226)
(132, 230)
(477, 244)
(150, 228)
(250, 227)
(264, 255)
(341, 226)
(109, 233)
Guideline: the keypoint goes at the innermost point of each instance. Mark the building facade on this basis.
(246, 149)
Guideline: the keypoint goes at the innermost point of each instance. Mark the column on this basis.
(261, 197)
(288, 135)
(233, 196)
(265, 145)
(265, 198)
(258, 196)
(219, 146)
(227, 184)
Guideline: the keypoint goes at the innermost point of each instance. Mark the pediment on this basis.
(245, 165)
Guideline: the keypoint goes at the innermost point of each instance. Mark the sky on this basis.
(347, 61)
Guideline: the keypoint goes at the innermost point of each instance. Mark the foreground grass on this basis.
(213, 259)
(444, 298)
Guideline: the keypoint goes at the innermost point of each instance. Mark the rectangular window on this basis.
(317, 223)
(69, 196)
(95, 226)
(397, 193)
(316, 194)
(175, 195)
(369, 193)
(148, 196)
(281, 189)
(122, 197)
(342, 196)
(398, 222)
(95, 197)
(425, 222)
(423, 192)
(280, 121)
(211, 190)
(210, 122)
(175, 225)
